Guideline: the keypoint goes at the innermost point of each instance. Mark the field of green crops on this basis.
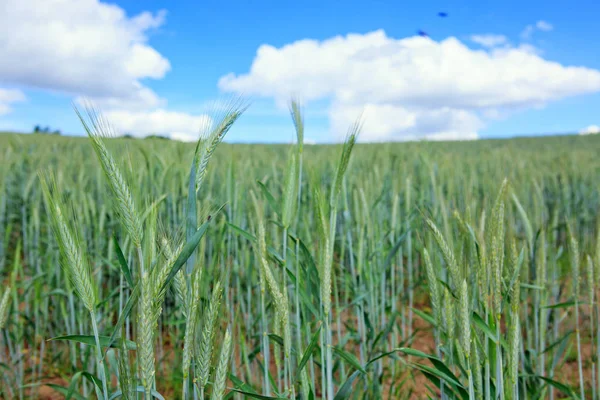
(149, 268)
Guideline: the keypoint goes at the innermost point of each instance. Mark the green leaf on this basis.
(270, 199)
(307, 303)
(566, 304)
(437, 381)
(346, 388)
(123, 263)
(92, 378)
(394, 250)
(560, 386)
(558, 342)
(413, 352)
(187, 251)
(242, 232)
(480, 323)
(154, 204)
(239, 384)
(448, 378)
(276, 338)
(153, 392)
(270, 250)
(57, 292)
(533, 287)
(526, 222)
(258, 396)
(64, 391)
(382, 336)
(191, 217)
(131, 301)
(308, 352)
(440, 370)
(349, 358)
(382, 355)
(139, 389)
(447, 286)
(105, 341)
(275, 256)
(425, 316)
(305, 252)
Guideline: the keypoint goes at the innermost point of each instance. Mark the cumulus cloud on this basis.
(592, 129)
(176, 125)
(8, 97)
(489, 40)
(82, 47)
(383, 122)
(138, 100)
(97, 53)
(410, 88)
(184, 137)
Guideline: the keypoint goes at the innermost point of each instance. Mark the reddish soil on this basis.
(413, 380)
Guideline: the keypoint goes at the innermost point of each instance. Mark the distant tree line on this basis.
(152, 136)
(46, 130)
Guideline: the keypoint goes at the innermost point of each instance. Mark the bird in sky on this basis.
(422, 33)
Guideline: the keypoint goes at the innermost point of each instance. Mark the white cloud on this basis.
(527, 32)
(82, 47)
(592, 129)
(541, 25)
(8, 97)
(176, 125)
(544, 26)
(489, 40)
(94, 51)
(410, 88)
(184, 137)
(383, 122)
(140, 99)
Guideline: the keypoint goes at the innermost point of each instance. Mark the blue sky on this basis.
(175, 58)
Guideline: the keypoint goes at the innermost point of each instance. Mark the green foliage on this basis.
(156, 271)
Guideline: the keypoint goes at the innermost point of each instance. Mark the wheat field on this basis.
(150, 268)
